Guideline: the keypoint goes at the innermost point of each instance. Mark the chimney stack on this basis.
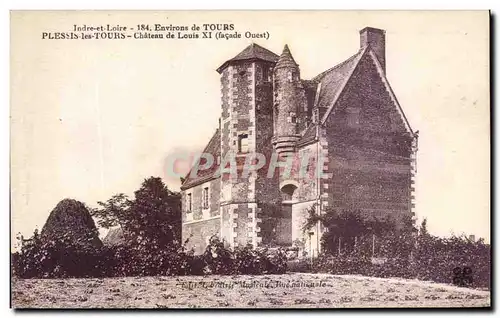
(375, 38)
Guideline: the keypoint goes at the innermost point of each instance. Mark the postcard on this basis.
(250, 159)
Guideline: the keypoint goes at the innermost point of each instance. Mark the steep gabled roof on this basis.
(251, 52)
(388, 87)
(333, 81)
(213, 148)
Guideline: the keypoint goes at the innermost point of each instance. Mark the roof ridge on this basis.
(385, 80)
(265, 49)
(358, 56)
(349, 59)
(211, 139)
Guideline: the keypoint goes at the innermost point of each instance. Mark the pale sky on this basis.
(91, 118)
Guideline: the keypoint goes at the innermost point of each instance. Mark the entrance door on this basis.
(284, 226)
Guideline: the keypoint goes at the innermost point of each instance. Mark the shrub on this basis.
(59, 258)
(249, 261)
(341, 265)
(432, 258)
(435, 258)
(195, 265)
(277, 261)
(299, 265)
(217, 258)
(351, 241)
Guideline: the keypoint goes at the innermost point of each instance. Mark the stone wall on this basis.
(367, 147)
(369, 157)
(246, 109)
(197, 212)
(300, 237)
(308, 182)
(267, 193)
(198, 233)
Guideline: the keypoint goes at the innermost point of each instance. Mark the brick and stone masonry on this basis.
(346, 120)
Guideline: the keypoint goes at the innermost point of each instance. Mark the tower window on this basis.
(266, 74)
(292, 118)
(243, 143)
(292, 76)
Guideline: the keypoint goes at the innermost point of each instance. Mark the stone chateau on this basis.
(348, 115)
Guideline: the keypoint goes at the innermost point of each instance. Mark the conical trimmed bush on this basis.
(70, 222)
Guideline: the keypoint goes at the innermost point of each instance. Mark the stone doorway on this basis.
(284, 222)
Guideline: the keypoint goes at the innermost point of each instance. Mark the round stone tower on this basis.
(287, 92)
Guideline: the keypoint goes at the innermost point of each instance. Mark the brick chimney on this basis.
(375, 38)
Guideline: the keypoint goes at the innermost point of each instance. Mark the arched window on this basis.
(287, 191)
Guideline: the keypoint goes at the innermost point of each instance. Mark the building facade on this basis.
(339, 141)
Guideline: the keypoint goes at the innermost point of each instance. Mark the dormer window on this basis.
(243, 143)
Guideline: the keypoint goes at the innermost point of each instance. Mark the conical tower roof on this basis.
(286, 59)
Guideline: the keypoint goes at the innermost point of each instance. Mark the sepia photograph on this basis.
(250, 159)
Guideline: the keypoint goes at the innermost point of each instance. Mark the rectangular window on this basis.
(266, 74)
(352, 117)
(205, 198)
(243, 143)
(189, 203)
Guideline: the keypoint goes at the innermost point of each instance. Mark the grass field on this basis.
(268, 291)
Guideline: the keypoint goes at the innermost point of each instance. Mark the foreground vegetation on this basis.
(353, 245)
(151, 246)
